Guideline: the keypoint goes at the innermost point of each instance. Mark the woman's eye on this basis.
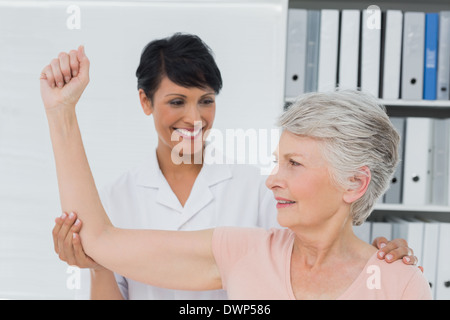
(207, 101)
(294, 163)
(176, 102)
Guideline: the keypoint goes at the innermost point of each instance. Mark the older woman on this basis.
(335, 157)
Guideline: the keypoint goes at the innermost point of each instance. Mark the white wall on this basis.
(248, 38)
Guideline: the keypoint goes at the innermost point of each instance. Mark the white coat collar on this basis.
(150, 176)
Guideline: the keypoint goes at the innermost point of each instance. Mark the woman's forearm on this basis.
(77, 189)
(104, 285)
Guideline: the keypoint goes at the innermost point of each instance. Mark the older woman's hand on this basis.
(394, 250)
(67, 242)
(64, 80)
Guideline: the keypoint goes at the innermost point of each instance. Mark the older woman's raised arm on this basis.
(182, 260)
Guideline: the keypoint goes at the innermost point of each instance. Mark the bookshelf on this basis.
(436, 109)
(426, 223)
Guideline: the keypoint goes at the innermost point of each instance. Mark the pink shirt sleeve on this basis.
(231, 244)
(417, 288)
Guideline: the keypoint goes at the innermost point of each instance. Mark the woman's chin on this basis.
(187, 154)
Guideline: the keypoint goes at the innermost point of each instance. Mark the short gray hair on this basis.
(356, 132)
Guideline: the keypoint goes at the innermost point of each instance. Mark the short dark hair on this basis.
(184, 58)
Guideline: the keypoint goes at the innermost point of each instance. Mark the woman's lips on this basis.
(284, 203)
(189, 133)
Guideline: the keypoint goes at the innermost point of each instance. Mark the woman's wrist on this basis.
(61, 111)
(61, 118)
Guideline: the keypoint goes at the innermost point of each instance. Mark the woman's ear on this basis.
(146, 104)
(361, 182)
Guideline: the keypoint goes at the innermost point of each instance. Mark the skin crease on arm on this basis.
(181, 260)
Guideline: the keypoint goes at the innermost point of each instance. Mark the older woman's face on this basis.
(182, 115)
(301, 183)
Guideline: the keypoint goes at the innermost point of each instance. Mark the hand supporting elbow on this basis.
(67, 243)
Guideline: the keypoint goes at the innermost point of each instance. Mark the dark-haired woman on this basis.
(178, 81)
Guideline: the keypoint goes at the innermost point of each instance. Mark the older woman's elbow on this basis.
(96, 242)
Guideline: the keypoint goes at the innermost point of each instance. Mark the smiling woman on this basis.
(182, 118)
(177, 81)
(356, 138)
(302, 184)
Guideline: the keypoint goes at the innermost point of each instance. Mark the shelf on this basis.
(408, 103)
(412, 108)
(421, 108)
(432, 212)
(417, 103)
(411, 208)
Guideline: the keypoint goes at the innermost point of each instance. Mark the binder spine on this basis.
(328, 55)
(430, 62)
(349, 49)
(417, 169)
(413, 55)
(394, 193)
(370, 56)
(392, 54)
(312, 50)
(443, 69)
(440, 157)
(296, 53)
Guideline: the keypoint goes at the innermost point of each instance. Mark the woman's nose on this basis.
(192, 114)
(274, 179)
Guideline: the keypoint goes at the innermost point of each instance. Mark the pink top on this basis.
(255, 264)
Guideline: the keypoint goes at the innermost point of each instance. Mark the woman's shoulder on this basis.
(408, 281)
(254, 236)
(380, 280)
(272, 233)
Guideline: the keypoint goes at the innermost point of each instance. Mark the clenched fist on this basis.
(64, 80)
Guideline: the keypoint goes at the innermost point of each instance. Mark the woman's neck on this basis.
(184, 166)
(328, 244)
